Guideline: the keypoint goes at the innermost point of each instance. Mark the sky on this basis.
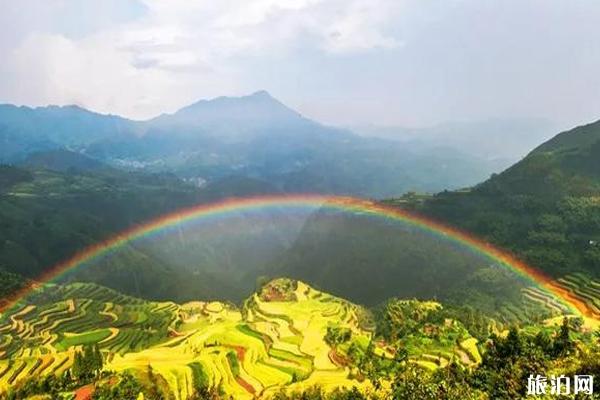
(343, 62)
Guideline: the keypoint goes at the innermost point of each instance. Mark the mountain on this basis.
(283, 336)
(579, 138)
(545, 208)
(231, 118)
(255, 136)
(24, 130)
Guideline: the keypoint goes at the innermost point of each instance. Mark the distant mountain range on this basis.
(501, 141)
(254, 136)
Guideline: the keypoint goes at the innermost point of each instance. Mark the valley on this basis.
(199, 312)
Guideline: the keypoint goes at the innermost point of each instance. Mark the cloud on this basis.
(176, 50)
(341, 61)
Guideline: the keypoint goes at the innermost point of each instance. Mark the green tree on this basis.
(563, 344)
(78, 368)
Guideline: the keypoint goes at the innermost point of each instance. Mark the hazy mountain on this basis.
(545, 209)
(370, 260)
(24, 130)
(255, 136)
(231, 118)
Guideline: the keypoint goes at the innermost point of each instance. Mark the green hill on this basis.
(546, 208)
(46, 216)
(580, 138)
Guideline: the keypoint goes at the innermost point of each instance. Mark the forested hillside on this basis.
(545, 208)
(47, 216)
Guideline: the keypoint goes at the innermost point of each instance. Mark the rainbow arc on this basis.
(230, 207)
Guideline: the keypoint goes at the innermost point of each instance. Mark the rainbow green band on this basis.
(345, 204)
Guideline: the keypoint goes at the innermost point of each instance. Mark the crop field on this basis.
(538, 304)
(41, 337)
(545, 300)
(586, 289)
(545, 305)
(276, 338)
(437, 345)
(245, 352)
(251, 352)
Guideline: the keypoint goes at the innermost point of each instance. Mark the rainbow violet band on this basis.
(344, 204)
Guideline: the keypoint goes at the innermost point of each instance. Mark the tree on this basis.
(544, 342)
(563, 344)
(88, 361)
(512, 346)
(78, 368)
(88, 364)
(337, 335)
(97, 357)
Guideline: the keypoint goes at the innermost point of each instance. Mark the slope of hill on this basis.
(545, 208)
(369, 261)
(47, 216)
(579, 138)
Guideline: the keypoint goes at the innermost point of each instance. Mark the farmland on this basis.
(287, 334)
(244, 351)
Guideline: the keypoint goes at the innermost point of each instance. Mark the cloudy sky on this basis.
(387, 62)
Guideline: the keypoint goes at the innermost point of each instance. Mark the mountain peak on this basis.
(253, 110)
(262, 95)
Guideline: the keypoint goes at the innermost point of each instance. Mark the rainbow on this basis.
(345, 204)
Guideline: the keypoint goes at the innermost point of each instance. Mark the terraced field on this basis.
(578, 285)
(583, 288)
(256, 350)
(538, 304)
(277, 338)
(245, 352)
(432, 345)
(41, 336)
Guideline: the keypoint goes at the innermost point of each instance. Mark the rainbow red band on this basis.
(345, 204)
